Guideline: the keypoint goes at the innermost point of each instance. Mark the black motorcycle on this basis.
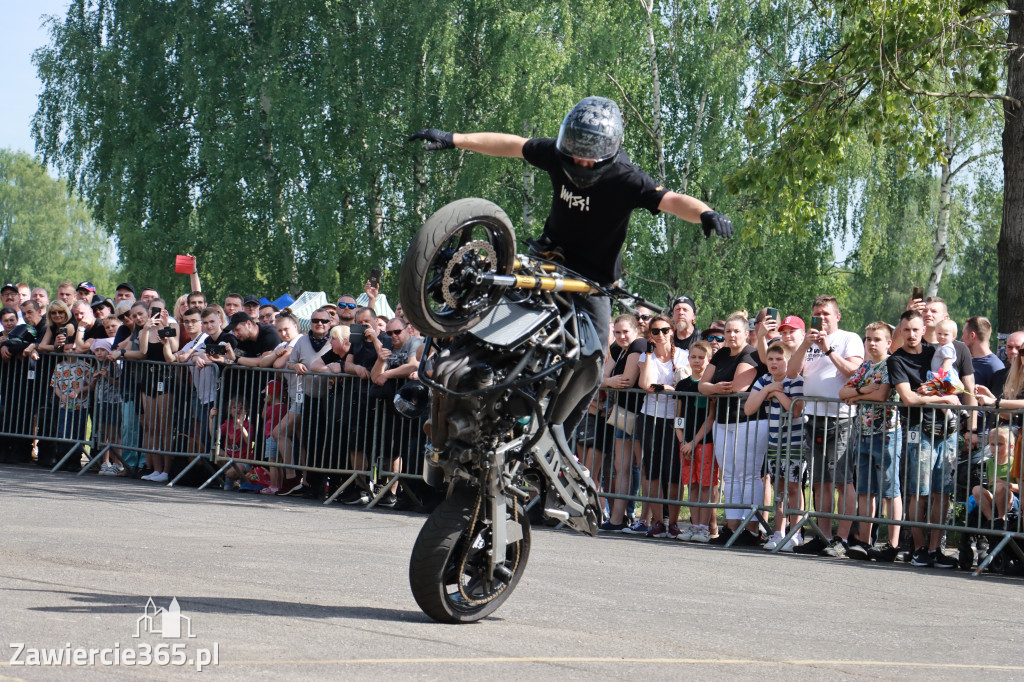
(504, 340)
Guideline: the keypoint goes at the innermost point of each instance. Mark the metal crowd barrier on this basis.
(933, 465)
(320, 424)
(646, 465)
(339, 425)
(31, 408)
(866, 479)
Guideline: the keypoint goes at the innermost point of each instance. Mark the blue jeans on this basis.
(931, 463)
(878, 464)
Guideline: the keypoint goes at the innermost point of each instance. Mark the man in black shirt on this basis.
(255, 340)
(684, 314)
(595, 191)
(929, 459)
(21, 389)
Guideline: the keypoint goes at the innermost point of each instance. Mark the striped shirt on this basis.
(780, 437)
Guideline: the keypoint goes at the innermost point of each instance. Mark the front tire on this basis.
(451, 585)
(437, 285)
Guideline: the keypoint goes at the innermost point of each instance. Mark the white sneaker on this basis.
(686, 534)
(159, 478)
(791, 545)
(117, 468)
(773, 542)
(147, 477)
(105, 469)
(701, 534)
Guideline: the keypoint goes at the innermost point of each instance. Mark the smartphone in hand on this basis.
(816, 323)
(917, 293)
(375, 278)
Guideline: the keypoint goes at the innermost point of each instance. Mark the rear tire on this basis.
(434, 568)
(462, 239)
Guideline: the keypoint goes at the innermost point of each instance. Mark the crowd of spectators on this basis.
(775, 410)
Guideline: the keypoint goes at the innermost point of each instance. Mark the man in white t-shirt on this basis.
(826, 359)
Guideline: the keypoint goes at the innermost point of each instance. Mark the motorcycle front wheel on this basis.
(448, 570)
(438, 284)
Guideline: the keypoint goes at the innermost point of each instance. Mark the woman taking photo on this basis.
(660, 370)
(620, 376)
(154, 382)
(740, 441)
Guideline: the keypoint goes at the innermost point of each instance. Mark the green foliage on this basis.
(45, 236)
(268, 137)
(970, 289)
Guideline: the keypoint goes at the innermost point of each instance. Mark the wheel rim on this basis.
(473, 579)
(451, 294)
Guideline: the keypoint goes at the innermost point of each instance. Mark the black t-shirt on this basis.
(688, 341)
(730, 410)
(365, 355)
(908, 368)
(122, 333)
(630, 401)
(96, 331)
(964, 364)
(57, 329)
(693, 409)
(590, 224)
(268, 339)
(225, 338)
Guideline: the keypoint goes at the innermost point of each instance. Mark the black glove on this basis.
(713, 221)
(542, 247)
(435, 139)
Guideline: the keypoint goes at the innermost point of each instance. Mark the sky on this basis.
(21, 33)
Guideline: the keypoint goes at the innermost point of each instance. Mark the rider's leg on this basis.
(582, 388)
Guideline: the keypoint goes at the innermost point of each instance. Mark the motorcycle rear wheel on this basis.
(436, 570)
(437, 285)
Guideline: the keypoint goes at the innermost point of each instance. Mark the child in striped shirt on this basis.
(785, 461)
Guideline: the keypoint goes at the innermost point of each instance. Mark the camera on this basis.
(355, 334)
(166, 333)
(216, 349)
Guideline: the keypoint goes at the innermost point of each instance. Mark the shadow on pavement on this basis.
(98, 602)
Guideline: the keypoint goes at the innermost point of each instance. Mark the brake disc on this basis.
(484, 250)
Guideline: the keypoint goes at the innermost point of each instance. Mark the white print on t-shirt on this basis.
(581, 202)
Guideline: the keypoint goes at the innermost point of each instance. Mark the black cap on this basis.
(98, 300)
(684, 299)
(9, 286)
(237, 319)
(125, 285)
(251, 300)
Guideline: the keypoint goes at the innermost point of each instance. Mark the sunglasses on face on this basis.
(319, 320)
(347, 305)
(714, 337)
(123, 316)
(660, 330)
(394, 332)
(644, 318)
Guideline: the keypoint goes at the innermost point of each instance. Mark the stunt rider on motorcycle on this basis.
(595, 190)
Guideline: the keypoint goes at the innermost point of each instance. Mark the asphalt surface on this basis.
(290, 589)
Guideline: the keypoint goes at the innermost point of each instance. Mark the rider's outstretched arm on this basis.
(492, 144)
(693, 210)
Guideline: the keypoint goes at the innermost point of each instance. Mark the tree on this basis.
(897, 69)
(47, 237)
